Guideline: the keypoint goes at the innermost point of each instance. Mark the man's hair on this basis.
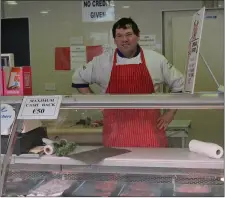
(125, 23)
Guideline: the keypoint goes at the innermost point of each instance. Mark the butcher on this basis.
(130, 69)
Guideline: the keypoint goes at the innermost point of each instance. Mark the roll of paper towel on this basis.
(49, 149)
(206, 148)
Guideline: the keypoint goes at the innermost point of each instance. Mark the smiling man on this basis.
(129, 69)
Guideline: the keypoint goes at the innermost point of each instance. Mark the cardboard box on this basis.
(17, 81)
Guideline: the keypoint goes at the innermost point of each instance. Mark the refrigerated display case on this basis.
(99, 171)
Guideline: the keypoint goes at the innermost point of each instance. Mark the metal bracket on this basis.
(220, 88)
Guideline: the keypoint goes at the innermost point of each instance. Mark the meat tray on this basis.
(53, 187)
(141, 189)
(21, 187)
(193, 190)
(93, 189)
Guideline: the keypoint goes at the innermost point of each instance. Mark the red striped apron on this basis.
(131, 127)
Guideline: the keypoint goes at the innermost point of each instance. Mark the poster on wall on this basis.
(77, 56)
(62, 58)
(193, 50)
(148, 41)
(98, 10)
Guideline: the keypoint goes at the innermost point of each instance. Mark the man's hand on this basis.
(165, 119)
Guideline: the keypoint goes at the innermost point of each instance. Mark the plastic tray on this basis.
(93, 188)
(21, 187)
(193, 190)
(141, 189)
(53, 187)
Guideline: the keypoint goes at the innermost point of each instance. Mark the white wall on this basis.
(64, 20)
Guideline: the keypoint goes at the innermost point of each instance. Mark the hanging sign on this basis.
(193, 50)
(98, 10)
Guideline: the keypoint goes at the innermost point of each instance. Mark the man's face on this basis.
(125, 40)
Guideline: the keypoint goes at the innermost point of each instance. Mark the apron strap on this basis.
(142, 57)
(114, 57)
(141, 52)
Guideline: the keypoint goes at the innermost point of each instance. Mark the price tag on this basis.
(7, 118)
(40, 107)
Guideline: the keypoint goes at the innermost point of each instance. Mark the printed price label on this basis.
(40, 107)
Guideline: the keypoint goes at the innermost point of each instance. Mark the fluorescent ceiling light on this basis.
(44, 11)
(126, 7)
(11, 2)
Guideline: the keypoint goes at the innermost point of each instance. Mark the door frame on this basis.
(163, 13)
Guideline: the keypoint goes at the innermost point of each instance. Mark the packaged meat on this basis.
(51, 188)
(190, 190)
(106, 185)
(21, 187)
(141, 189)
(92, 188)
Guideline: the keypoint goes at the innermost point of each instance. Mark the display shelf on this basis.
(138, 157)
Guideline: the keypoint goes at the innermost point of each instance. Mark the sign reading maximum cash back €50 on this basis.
(40, 107)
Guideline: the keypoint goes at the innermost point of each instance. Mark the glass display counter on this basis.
(131, 172)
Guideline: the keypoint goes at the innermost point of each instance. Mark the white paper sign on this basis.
(77, 56)
(40, 107)
(193, 50)
(98, 10)
(148, 41)
(7, 118)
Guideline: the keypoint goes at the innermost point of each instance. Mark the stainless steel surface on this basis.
(169, 101)
(35, 167)
(139, 157)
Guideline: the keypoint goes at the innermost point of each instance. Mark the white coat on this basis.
(99, 69)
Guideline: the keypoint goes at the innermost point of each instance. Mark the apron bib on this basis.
(131, 127)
